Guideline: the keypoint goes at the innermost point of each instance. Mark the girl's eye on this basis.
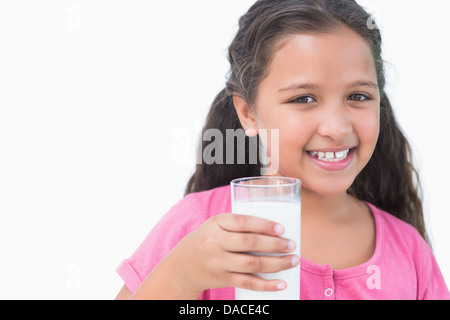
(304, 100)
(358, 97)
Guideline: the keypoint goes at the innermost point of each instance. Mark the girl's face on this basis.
(321, 93)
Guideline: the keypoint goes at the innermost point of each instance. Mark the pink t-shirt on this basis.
(402, 267)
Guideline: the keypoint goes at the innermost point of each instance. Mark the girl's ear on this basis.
(246, 116)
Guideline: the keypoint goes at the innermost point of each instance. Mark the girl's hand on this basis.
(214, 255)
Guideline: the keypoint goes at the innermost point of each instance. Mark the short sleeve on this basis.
(431, 282)
(183, 218)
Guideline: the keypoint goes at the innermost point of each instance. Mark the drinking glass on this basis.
(276, 199)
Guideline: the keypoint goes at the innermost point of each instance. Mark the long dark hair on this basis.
(389, 181)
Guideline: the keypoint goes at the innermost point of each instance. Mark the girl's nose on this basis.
(336, 123)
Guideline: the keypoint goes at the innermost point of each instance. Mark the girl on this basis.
(313, 70)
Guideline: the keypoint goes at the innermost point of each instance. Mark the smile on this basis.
(330, 156)
(329, 160)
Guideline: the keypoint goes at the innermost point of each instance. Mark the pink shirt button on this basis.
(328, 292)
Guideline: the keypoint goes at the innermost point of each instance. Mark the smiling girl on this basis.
(313, 70)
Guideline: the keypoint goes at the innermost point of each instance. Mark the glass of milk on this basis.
(276, 199)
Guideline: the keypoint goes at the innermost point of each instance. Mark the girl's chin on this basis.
(326, 189)
(321, 185)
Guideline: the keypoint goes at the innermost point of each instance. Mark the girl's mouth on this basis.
(330, 156)
(332, 160)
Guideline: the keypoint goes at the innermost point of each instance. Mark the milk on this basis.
(288, 214)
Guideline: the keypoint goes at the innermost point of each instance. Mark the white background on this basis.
(100, 106)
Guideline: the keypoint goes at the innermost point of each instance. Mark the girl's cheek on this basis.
(372, 125)
(368, 130)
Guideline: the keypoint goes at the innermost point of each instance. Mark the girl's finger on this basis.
(255, 283)
(246, 263)
(243, 223)
(245, 242)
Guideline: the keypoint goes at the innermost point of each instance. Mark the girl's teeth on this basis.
(330, 156)
(340, 154)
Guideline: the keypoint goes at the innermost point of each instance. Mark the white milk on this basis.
(288, 214)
